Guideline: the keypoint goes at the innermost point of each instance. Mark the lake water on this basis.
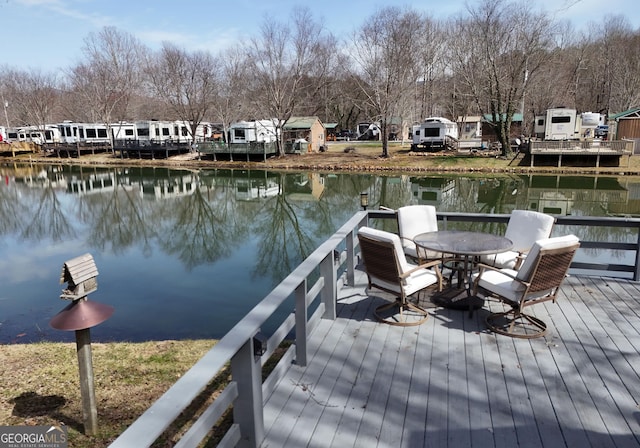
(187, 253)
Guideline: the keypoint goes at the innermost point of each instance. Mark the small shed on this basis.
(331, 131)
(305, 129)
(626, 126)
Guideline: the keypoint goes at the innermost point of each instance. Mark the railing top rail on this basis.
(613, 221)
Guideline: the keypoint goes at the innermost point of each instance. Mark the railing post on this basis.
(636, 269)
(329, 293)
(246, 371)
(301, 323)
(351, 261)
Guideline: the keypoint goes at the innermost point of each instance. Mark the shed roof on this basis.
(301, 122)
(631, 113)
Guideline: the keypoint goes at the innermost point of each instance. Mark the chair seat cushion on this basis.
(501, 284)
(506, 260)
(420, 279)
(413, 283)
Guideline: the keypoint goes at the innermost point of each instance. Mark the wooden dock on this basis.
(582, 150)
(452, 383)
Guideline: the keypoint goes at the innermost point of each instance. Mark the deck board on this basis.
(451, 383)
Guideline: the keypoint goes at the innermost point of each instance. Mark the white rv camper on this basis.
(123, 131)
(154, 132)
(83, 133)
(561, 124)
(368, 131)
(566, 124)
(435, 132)
(38, 134)
(262, 131)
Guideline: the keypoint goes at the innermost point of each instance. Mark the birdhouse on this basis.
(80, 275)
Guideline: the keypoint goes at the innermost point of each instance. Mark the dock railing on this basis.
(314, 286)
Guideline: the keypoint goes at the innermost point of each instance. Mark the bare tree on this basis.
(384, 68)
(230, 103)
(187, 82)
(289, 61)
(617, 58)
(32, 94)
(430, 62)
(109, 75)
(496, 51)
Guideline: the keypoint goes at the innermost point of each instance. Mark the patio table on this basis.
(465, 246)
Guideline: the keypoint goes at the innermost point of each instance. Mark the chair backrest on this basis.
(416, 219)
(548, 261)
(525, 227)
(381, 253)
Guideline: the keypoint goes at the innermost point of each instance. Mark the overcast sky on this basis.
(48, 34)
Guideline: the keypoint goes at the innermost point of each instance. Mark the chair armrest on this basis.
(405, 238)
(519, 259)
(419, 267)
(483, 267)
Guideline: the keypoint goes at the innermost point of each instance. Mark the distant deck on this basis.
(452, 383)
(570, 149)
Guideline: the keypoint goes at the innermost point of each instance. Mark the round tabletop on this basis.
(460, 242)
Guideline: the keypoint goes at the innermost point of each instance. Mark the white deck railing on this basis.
(246, 391)
(315, 283)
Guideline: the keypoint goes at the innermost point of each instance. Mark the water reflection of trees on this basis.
(284, 241)
(117, 220)
(199, 231)
(280, 211)
(48, 220)
(13, 211)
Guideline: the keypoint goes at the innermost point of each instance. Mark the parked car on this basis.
(602, 131)
(346, 135)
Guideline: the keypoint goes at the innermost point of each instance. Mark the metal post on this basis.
(301, 323)
(87, 391)
(329, 292)
(247, 409)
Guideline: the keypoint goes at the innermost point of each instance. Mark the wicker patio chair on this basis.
(538, 280)
(388, 270)
(525, 227)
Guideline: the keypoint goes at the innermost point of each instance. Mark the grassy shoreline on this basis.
(40, 384)
(349, 157)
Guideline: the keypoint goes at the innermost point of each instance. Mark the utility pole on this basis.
(6, 117)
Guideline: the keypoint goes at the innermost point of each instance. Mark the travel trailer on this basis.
(124, 131)
(434, 132)
(567, 124)
(83, 133)
(155, 132)
(261, 131)
(368, 131)
(34, 134)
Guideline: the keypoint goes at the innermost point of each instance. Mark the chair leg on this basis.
(516, 324)
(416, 315)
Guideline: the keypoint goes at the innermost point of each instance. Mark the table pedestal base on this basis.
(456, 300)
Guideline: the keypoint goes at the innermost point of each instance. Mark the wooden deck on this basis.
(451, 383)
